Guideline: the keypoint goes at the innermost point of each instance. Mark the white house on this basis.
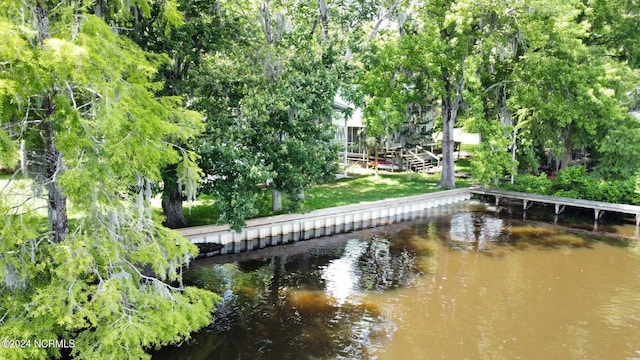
(348, 122)
(406, 148)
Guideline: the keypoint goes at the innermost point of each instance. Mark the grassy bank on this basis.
(360, 187)
(370, 188)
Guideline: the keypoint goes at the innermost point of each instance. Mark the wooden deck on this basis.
(599, 207)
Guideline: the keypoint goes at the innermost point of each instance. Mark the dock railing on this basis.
(599, 207)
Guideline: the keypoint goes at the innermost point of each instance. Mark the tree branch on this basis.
(499, 83)
(384, 17)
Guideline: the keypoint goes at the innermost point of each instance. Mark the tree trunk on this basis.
(447, 179)
(568, 148)
(275, 281)
(23, 158)
(450, 104)
(53, 167)
(375, 156)
(172, 200)
(276, 200)
(57, 201)
(367, 160)
(514, 147)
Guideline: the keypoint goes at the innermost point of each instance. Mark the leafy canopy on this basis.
(113, 283)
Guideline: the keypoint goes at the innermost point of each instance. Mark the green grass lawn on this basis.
(362, 186)
(370, 188)
(359, 188)
(202, 212)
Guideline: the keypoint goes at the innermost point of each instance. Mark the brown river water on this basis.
(477, 282)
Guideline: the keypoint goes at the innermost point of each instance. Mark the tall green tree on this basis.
(184, 31)
(434, 61)
(294, 103)
(83, 101)
(612, 39)
(227, 152)
(570, 93)
(545, 87)
(382, 85)
(268, 96)
(491, 115)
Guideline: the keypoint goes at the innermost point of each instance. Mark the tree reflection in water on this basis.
(308, 305)
(333, 301)
(485, 233)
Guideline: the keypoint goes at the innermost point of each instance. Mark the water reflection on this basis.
(475, 231)
(302, 306)
(342, 275)
(476, 284)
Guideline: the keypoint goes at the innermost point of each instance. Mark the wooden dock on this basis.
(599, 207)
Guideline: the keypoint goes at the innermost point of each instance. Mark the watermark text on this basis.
(37, 343)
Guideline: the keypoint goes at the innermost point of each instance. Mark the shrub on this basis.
(572, 178)
(540, 184)
(574, 194)
(620, 191)
(575, 182)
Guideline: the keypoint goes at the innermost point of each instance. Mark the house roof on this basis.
(340, 104)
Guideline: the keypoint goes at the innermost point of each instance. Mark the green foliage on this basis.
(572, 178)
(528, 160)
(444, 60)
(491, 160)
(612, 24)
(233, 181)
(575, 182)
(381, 86)
(108, 284)
(167, 28)
(619, 152)
(568, 93)
(543, 72)
(8, 151)
(540, 184)
(620, 191)
(268, 101)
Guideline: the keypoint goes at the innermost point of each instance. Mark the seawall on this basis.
(282, 229)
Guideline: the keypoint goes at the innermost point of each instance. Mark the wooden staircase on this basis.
(417, 162)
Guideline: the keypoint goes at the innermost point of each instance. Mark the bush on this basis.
(575, 182)
(620, 191)
(574, 194)
(572, 178)
(540, 184)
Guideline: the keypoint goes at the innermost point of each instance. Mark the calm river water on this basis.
(475, 283)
